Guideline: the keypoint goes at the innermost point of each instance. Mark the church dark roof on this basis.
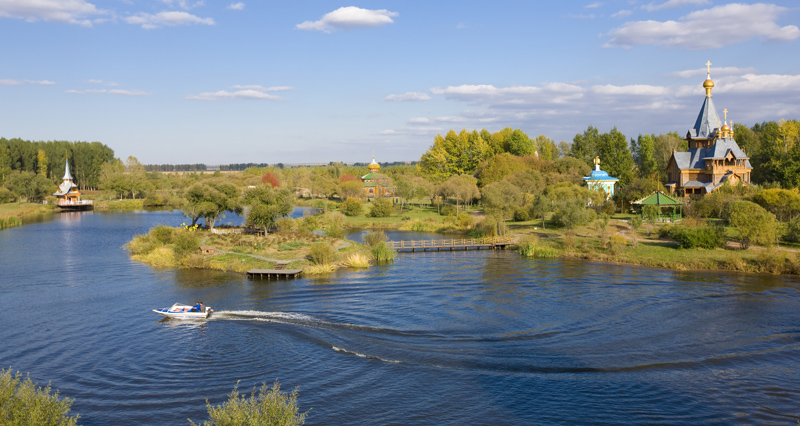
(707, 121)
(695, 158)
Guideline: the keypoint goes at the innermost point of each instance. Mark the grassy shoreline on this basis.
(12, 214)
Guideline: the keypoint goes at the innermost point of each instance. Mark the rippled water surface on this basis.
(435, 338)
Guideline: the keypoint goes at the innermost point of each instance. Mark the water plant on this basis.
(356, 260)
(267, 406)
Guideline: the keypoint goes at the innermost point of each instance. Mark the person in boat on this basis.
(198, 307)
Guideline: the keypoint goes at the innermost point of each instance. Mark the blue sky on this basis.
(217, 82)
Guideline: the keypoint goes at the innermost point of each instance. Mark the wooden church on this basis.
(713, 159)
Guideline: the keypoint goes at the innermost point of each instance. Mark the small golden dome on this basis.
(708, 84)
(725, 128)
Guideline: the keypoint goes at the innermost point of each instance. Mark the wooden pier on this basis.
(452, 244)
(274, 273)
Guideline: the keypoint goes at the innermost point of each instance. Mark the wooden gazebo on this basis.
(661, 200)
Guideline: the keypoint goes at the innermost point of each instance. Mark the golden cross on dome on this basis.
(708, 65)
(726, 113)
(596, 161)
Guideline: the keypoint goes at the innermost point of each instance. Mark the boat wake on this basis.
(360, 355)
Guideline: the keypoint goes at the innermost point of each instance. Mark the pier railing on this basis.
(452, 243)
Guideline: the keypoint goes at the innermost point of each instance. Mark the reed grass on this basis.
(356, 260)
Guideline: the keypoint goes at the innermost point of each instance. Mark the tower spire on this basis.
(708, 84)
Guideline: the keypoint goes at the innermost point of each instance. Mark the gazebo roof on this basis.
(658, 198)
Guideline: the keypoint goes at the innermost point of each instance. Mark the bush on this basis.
(185, 242)
(383, 253)
(336, 225)
(465, 220)
(153, 200)
(269, 406)
(486, 228)
(571, 214)
(448, 210)
(381, 207)
(372, 239)
(286, 224)
(521, 215)
(162, 234)
(352, 207)
(793, 230)
(708, 237)
(6, 196)
(22, 403)
(322, 253)
(308, 224)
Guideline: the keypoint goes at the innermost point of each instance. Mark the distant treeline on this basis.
(48, 159)
(199, 167)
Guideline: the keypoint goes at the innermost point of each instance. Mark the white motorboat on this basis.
(185, 311)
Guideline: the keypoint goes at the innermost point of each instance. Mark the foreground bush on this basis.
(707, 237)
(352, 207)
(23, 403)
(322, 253)
(383, 253)
(267, 407)
(381, 207)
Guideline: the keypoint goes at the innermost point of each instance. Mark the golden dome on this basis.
(708, 84)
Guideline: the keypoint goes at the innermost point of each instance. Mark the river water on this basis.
(481, 337)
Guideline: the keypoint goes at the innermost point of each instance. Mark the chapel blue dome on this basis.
(599, 174)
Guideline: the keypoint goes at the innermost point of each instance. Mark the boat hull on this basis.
(183, 312)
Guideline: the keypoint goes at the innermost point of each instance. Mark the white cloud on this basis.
(70, 11)
(103, 83)
(408, 96)
(259, 88)
(593, 5)
(183, 4)
(621, 14)
(236, 6)
(387, 132)
(717, 72)
(561, 109)
(119, 92)
(150, 21)
(11, 82)
(708, 29)
(249, 92)
(347, 18)
(675, 3)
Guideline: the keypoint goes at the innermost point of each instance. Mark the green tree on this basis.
(783, 203)
(615, 157)
(41, 162)
(584, 145)
(665, 144)
(351, 189)
(210, 200)
(453, 154)
(753, 223)
(520, 144)
(33, 187)
(463, 188)
(546, 148)
(542, 205)
(501, 199)
(644, 154)
(498, 167)
(23, 403)
(571, 214)
(267, 205)
(266, 407)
